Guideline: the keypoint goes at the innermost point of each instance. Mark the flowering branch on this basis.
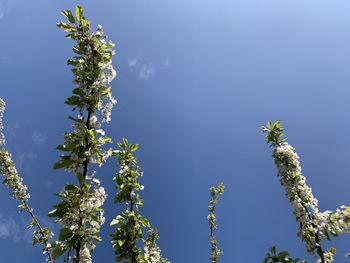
(130, 224)
(215, 193)
(79, 212)
(19, 192)
(298, 193)
(151, 249)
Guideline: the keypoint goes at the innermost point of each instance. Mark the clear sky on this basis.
(196, 80)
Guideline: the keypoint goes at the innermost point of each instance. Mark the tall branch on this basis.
(19, 191)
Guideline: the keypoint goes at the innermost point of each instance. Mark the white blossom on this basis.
(86, 207)
(328, 256)
(85, 255)
(2, 109)
(299, 194)
(11, 177)
(152, 253)
(335, 223)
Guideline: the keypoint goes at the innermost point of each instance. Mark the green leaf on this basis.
(73, 240)
(80, 179)
(77, 91)
(114, 222)
(60, 210)
(64, 234)
(79, 12)
(73, 101)
(52, 213)
(119, 258)
(134, 147)
(65, 27)
(125, 141)
(97, 238)
(121, 242)
(69, 15)
(71, 188)
(57, 252)
(63, 163)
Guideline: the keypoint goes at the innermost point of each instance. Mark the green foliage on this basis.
(274, 133)
(215, 193)
(79, 212)
(281, 257)
(151, 249)
(130, 224)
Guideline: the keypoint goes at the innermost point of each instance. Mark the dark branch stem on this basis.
(31, 213)
(41, 230)
(133, 259)
(85, 173)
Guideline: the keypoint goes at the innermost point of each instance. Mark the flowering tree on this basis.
(79, 211)
(314, 226)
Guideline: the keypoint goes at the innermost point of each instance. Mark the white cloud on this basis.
(39, 138)
(2, 10)
(147, 71)
(132, 62)
(10, 229)
(17, 230)
(166, 62)
(23, 157)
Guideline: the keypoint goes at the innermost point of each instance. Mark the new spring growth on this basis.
(7, 168)
(282, 257)
(151, 249)
(2, 109)
(19, 192)
(131, 225)
(80, 212)
(215, 193)
(312, 229)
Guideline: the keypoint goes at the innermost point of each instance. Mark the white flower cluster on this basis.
(314, 225)
(75, 137)
(106, 76)
(299, 194)
(84, 214)
(328, 256)
(2, 109)
(125, 171)
(151, 249)
(211, 218)
(336, 223)
(85, 255)
(106, 102)
(152, 253)
(12, 179)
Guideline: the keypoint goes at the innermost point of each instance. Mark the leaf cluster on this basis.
(282, 257)
(274, 133)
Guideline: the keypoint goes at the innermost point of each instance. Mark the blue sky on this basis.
(196, 80)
